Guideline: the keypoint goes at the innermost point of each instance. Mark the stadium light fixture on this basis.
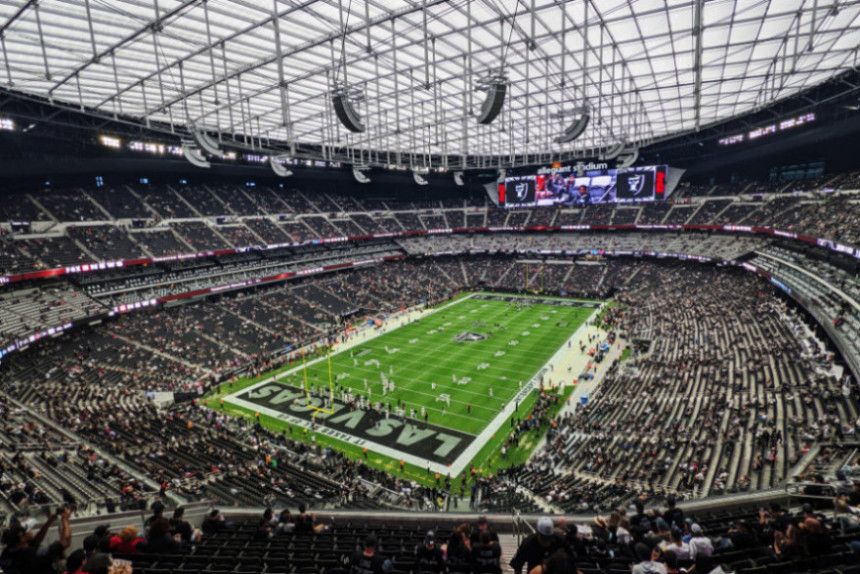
(111, 142)
(193, 155)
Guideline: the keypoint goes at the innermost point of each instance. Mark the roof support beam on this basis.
(698, 29)
(155, 25)
(16, 15)
(315, 43)
(92, 33)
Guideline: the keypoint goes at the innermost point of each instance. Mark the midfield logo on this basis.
(469, 337)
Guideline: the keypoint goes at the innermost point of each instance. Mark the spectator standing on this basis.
(537, 547)
(23, 554)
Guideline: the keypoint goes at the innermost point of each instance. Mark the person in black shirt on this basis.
(487, 555)
(213, 522)
(180, 526)
(673, 516)
(640, 524)
(854, 496)
(429, 558)
(304, 521)
(367, 561)
(460, 549)
(483, 526)
(536, 548)
(22, 554)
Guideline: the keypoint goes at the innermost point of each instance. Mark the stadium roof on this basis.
(264, 69)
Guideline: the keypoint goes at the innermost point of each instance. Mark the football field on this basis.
(443, 384)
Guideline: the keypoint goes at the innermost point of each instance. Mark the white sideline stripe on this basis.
(468, 453)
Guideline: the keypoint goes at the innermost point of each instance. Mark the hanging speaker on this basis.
(419, 178)
(627, 158)
(205, 142)
(574, 130)
(277, 167)
(493, 103)
(193, 155)
(613, 152)
(458, 178)
(346, 113)
(358, 174)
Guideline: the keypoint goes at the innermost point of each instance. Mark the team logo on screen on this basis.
(636, 183)
(522, 190)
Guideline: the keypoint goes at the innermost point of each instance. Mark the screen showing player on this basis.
(564, 186)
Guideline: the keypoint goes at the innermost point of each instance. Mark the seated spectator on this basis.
(845, 513)
(678, 547)
(285, 521)
(815, 536)
(483, 526)
(75, 562)
(429, 558)
(159, 540)
(157, 512)
(560, 562)
(648, 560)
(600, 529)
(487, 554)
(213, 523)
(739, 536)
(98, 563)
(182, 528)
(367, 561)
(786, 545)
(304, 521)
(266, 525)
(22, 554)
(619, 528)
(127, 541)
(700, 545)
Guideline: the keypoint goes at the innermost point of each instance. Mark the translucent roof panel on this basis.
(644, 70)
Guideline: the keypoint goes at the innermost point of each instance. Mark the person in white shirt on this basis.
(700, 545)
(678, 547)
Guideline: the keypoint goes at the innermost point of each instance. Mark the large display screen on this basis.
(564, 186)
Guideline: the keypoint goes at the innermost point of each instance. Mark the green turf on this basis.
(428, 353)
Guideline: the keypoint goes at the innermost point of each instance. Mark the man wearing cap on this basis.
(367, 561)
(483, 526)
(23, 555)
(537, 547)
(648, 560)
(429, 558)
